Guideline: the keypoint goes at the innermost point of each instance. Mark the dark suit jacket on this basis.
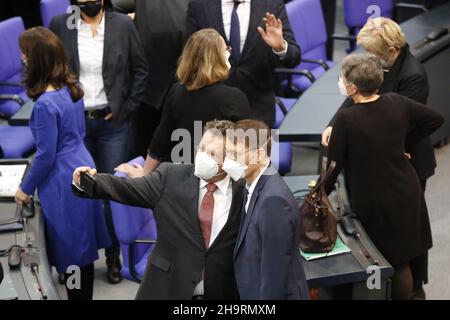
(179, 257)
(253, 72)
(161, 25)
(408, 78)
(267, 256)
(183, 107)
(125, 67)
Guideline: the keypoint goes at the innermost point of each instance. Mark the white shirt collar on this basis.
(222, 184)
(252, 187)
(100, 27)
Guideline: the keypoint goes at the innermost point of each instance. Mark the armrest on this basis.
(291, 72)
(403, 5)
(281, 106)
(10, 84)
(322, 63)
(131, 262)
(346, 37)
(14, 97)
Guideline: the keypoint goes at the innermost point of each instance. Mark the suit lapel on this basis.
(192, 188)
(215, 12)
(108, 43)
(257, 12)
(248, 216)
(73, 40)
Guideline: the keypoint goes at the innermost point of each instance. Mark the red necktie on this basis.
(206, 213)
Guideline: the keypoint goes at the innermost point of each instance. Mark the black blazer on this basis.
(267, 258)
(163, 43)
(179, 257)
(253, 72)
(408, 78)
(183, 107)
(125, 67)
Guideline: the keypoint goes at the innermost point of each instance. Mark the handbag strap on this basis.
(326, 173)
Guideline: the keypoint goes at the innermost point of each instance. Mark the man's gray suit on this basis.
(179, 257)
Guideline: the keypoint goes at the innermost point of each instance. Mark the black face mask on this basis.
(90, 8)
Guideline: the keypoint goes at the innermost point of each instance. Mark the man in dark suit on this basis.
(267, 256)
(256, 51)
(161, 25)
(197, 221)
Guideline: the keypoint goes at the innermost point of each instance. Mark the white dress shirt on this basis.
(251, 188)
(90, 52)
(243, 12)
(223, 197)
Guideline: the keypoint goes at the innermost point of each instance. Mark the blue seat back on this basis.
(51, 8)
(308, 24)
(16, 142)
(356, 15)
(10, 57)
(133, 223)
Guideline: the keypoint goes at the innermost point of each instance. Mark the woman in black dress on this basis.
(405, 75)
(368, 143)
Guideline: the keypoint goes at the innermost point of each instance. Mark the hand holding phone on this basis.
(87, 183)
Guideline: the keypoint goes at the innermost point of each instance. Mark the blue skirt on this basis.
(75, 228)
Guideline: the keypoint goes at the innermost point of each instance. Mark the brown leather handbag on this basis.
(318, 221)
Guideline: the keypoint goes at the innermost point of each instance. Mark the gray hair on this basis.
(365, 71)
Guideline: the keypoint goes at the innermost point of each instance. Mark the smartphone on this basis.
(87, 183)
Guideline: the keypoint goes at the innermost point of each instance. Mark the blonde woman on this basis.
(200, 95)
(404, 75)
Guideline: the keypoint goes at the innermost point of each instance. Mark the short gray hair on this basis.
(365, 71)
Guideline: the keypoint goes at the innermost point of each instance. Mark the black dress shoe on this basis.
(114, 267)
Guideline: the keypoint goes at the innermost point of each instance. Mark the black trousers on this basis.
(144, 121)
(86, 290)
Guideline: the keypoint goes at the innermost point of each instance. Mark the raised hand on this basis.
(273, 35)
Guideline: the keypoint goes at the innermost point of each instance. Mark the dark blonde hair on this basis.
(47, 64)
(202, 62)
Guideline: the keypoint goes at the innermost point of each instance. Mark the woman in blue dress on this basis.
(75, 228)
